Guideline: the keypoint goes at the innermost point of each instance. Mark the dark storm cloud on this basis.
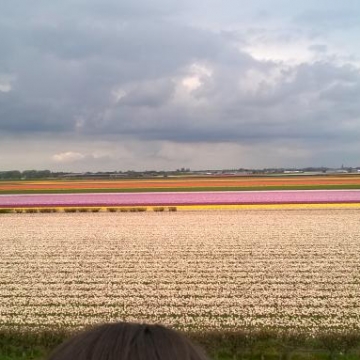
(74, 65)
(20, 116)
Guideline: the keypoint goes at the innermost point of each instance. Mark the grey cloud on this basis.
(74, 68)
(299, 106)
(330, 18)
(319, 48)
(345, 93)
(44, 11)
(114, 71)
(19, 116)
(155, 44)
(151, 94)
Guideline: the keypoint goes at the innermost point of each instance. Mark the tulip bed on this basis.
(265, 283)
(185, 184)
(182, 200)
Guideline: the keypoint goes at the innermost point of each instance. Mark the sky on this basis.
(90, 85)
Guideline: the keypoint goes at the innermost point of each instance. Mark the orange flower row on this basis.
(180, 183)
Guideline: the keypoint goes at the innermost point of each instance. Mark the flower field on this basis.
(210, 183)
(182, 198)
(278, 269)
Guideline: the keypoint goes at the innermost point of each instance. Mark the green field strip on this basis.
(220, 345)
(183, 189)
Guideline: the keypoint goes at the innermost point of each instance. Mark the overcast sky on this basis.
(90, 85)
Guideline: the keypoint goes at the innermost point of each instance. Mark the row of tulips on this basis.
(181, 198)
(216, 270)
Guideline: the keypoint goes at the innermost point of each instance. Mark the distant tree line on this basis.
(27, 174)
(131, 174)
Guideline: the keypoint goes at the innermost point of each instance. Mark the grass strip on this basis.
(241, 344)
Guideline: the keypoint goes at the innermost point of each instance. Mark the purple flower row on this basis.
(183, 198)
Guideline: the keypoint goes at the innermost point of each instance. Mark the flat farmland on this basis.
(194, 183)
(225, 270)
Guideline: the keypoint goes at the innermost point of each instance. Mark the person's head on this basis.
(128, 341)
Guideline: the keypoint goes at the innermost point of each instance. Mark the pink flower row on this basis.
(183, 198)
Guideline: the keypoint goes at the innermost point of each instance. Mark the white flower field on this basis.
(203, 270)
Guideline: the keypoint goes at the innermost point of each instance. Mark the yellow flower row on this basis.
(183, 208)
(269, 206)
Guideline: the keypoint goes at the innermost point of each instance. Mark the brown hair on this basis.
(128, 341)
